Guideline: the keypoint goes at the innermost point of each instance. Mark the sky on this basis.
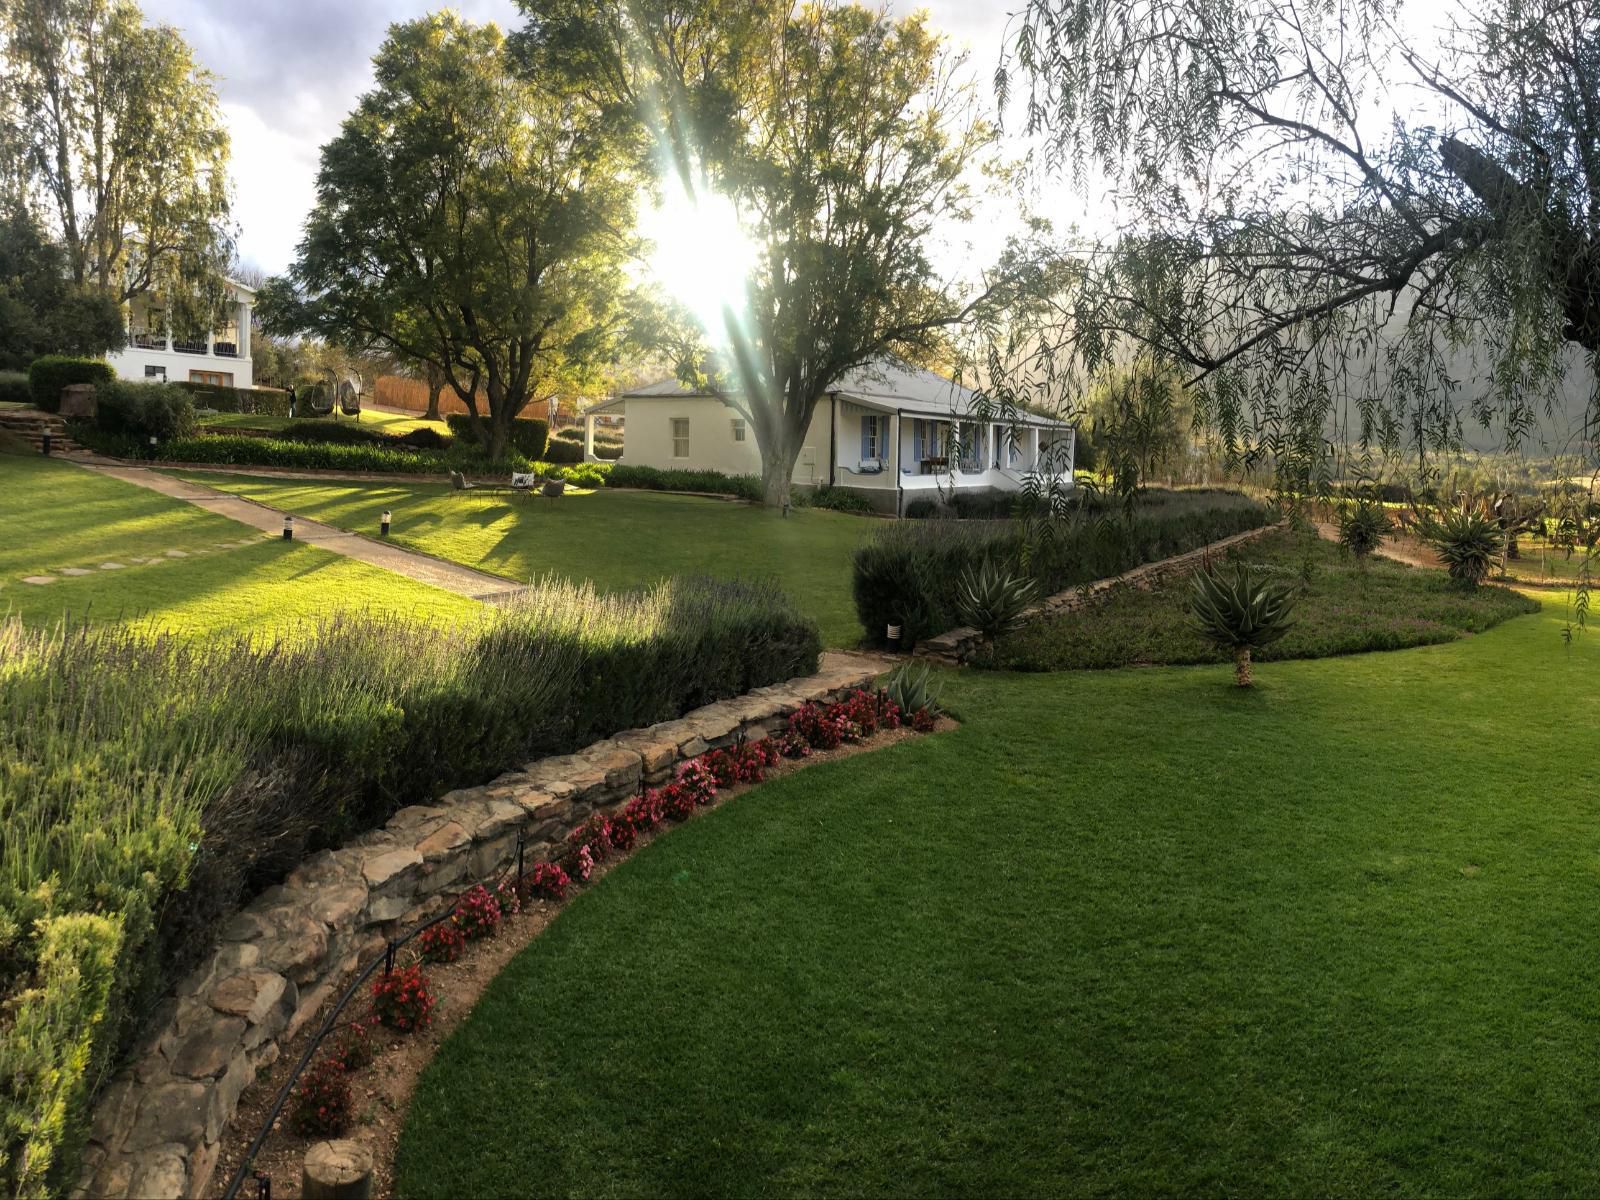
(288, 73)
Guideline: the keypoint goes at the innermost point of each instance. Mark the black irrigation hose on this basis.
(332, 1020)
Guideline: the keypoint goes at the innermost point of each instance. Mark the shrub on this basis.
(424, 438)
(1363, 526)
(560, 450)
(1467, 538)
(992, 598)
(745, 487)
(14, 388)
(528, 436)
(547, 881)
(144, 410)
(323, 1105)
(921, 508)
(242, 450)
(477, 914)
(908, 573)
(401, 999)
(838, 499)
(47, 376)
(441, 943)
(1239, 609)
(696, 782)
(357, 1044)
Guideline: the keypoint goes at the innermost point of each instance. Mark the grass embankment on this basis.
(1122, 933)
(1343, 609)
(223, 576)
(619, 540)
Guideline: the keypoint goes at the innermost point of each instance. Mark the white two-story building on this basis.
(890, 431)
(154, 351)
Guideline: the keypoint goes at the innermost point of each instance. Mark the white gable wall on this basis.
(649, 441)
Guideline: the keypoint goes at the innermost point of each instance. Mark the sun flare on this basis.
(701, 255)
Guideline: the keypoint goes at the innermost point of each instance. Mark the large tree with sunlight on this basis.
(836, 140)
(117, 132)
(467, 218)
(1350, 225)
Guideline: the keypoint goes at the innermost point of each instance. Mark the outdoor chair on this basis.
(525, 483)
(553, 488)
(458, 483)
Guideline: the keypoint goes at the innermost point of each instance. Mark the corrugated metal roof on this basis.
(887, 383)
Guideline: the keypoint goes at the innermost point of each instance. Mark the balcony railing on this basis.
(225, 349)
(189, 347)
(148, 341)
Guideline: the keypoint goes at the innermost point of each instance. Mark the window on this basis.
(680, 437)
(156, 373)
(219, 378)
(738, 432)
(871, 438)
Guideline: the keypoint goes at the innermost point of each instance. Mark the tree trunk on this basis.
(499, 430)
(777, 472)
(435, 389)
(1241, 667)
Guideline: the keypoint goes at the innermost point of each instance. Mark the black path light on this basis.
(44, 444)
(383, 523)
(288, 528)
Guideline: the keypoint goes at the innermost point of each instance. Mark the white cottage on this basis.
(155, 352)
(884, 430)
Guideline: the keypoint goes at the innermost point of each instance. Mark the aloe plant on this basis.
(1363, 528)
(1241, 610)
(911, 689)
(992, 598)
(1466, 537)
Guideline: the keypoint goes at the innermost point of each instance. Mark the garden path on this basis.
(424, 568)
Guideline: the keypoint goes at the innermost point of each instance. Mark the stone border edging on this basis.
(157, 1127)
(958, 646)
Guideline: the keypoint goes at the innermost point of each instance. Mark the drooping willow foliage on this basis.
(1348, 237)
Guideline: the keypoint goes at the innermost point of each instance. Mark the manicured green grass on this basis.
(382, 422)
(619, 539)
(1343, 609)
(1122, 933)
(66, 517)
(1542, 563)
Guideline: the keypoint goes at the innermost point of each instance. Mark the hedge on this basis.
(906, 575)
(144, 410)
(162, 780)
(745, 487)
(47, 377)
(529, 435)
(14, 388)
(264, 402)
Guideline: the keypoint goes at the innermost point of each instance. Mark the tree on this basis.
(842, 137)
(123, 138)
(1317, 257)
(41, 310)
(468, 219)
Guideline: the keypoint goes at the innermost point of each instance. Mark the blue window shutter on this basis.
(866, 437)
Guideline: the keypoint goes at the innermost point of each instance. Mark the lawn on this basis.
(202, 572)
(619, 539)
(1343, 608)
(382, 422)
(1122, 933)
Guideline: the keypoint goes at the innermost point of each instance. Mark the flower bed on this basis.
(404, 1000)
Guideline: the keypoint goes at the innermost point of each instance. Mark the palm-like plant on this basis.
(992, 598)
(1466, 537)
(1241, 610)
(911, 688)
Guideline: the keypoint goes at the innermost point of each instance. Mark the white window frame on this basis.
(679, 437)
(738, 428)
(872, 426)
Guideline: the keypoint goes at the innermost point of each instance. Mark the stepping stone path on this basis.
(39, 579)
(177, 553)
(74, 570)
(111, 566)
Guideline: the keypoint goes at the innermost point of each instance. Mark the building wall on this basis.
(712, 446)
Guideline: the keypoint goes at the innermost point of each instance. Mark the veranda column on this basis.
(244, 330)
(588, 437)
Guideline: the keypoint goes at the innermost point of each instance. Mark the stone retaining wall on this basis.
(158, 1125)
(957, 646)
